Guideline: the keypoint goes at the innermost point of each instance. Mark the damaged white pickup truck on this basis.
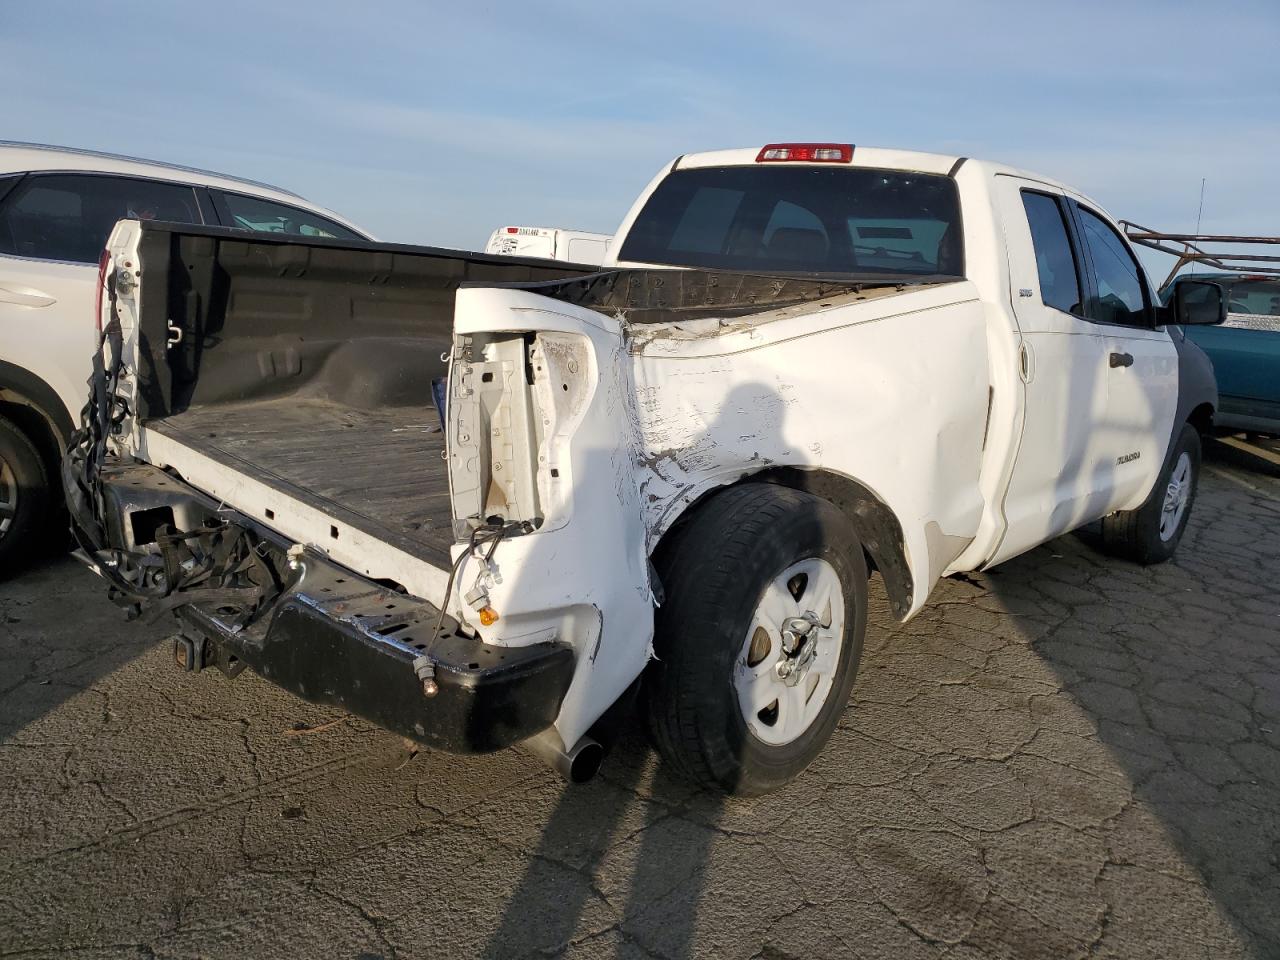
(664, 483)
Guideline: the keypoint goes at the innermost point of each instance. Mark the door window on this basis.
(69, 216)
(1121, 296)
(267, 216)
(1055, 261)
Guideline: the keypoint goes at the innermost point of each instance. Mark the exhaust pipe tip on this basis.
(576, 765)
(584, 760)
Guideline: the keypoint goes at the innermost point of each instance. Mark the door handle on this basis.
(25, 299)
(1121, 360)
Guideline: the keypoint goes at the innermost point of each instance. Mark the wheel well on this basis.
(36, 427)
(876, 525)
(34, 407)
(1202, 418)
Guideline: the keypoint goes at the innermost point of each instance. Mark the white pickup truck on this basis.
(665, 482)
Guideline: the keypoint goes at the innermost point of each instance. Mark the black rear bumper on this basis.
(330, 636)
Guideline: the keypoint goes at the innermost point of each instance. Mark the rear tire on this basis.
(1151, 533)
(24, 499)
(754, 559)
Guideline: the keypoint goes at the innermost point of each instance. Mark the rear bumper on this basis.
(333, 637)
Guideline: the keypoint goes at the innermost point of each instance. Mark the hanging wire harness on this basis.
(230, 566)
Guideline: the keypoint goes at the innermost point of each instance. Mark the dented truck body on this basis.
(486, 576)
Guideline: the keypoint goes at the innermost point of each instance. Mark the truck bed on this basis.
(379, 471)
(306, 365)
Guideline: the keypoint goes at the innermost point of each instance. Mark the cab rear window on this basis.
(1255, 297)
(802, 219)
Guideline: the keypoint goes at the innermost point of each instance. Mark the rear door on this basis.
(1059, 479)
(1142, 365)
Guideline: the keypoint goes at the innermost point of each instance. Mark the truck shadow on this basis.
(1174, 669)
(1261, 457)
(640, 842)
(49, 660)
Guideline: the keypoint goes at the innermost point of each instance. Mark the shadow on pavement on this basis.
(1262, 456)
(1177, 667)
(633, 821)
(64, 655)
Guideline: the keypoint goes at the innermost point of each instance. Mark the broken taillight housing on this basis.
(806, 153)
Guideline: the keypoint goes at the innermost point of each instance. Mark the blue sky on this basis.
(436, 122)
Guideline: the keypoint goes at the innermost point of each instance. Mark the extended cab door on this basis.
(1142, 364)
(1060, 479)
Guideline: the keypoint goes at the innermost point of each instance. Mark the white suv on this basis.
(57, 207)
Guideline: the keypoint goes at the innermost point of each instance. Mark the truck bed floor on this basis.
(379, 471)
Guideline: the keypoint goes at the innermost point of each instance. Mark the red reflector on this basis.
(806, 153)
(102, 282)
(513, 229)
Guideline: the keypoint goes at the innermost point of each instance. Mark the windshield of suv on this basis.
(803, 219)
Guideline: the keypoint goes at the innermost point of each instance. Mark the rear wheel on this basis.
(24, 498)
(1151, 533)
(758, 639)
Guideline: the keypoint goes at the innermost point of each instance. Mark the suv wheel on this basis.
(24, 497)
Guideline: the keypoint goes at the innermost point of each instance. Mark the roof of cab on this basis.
(862, 157)
(882, 158)
(876, 157)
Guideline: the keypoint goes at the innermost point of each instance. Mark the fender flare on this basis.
(22, 392)
(1197, 389)
(876, 525)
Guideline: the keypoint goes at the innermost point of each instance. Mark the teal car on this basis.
(1245, 351)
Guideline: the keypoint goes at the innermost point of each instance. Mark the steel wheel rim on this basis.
(779, 708)
(1176, 496)
(8, 496)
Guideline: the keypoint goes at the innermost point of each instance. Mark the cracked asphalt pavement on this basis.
(1068, 755)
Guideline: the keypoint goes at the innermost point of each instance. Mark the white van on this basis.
(550, 243)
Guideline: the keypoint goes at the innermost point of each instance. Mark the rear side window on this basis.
(1055, 261)
(1121, 295)
(806, 219)
(69, 216)
(267, 216)
(1255, 297)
